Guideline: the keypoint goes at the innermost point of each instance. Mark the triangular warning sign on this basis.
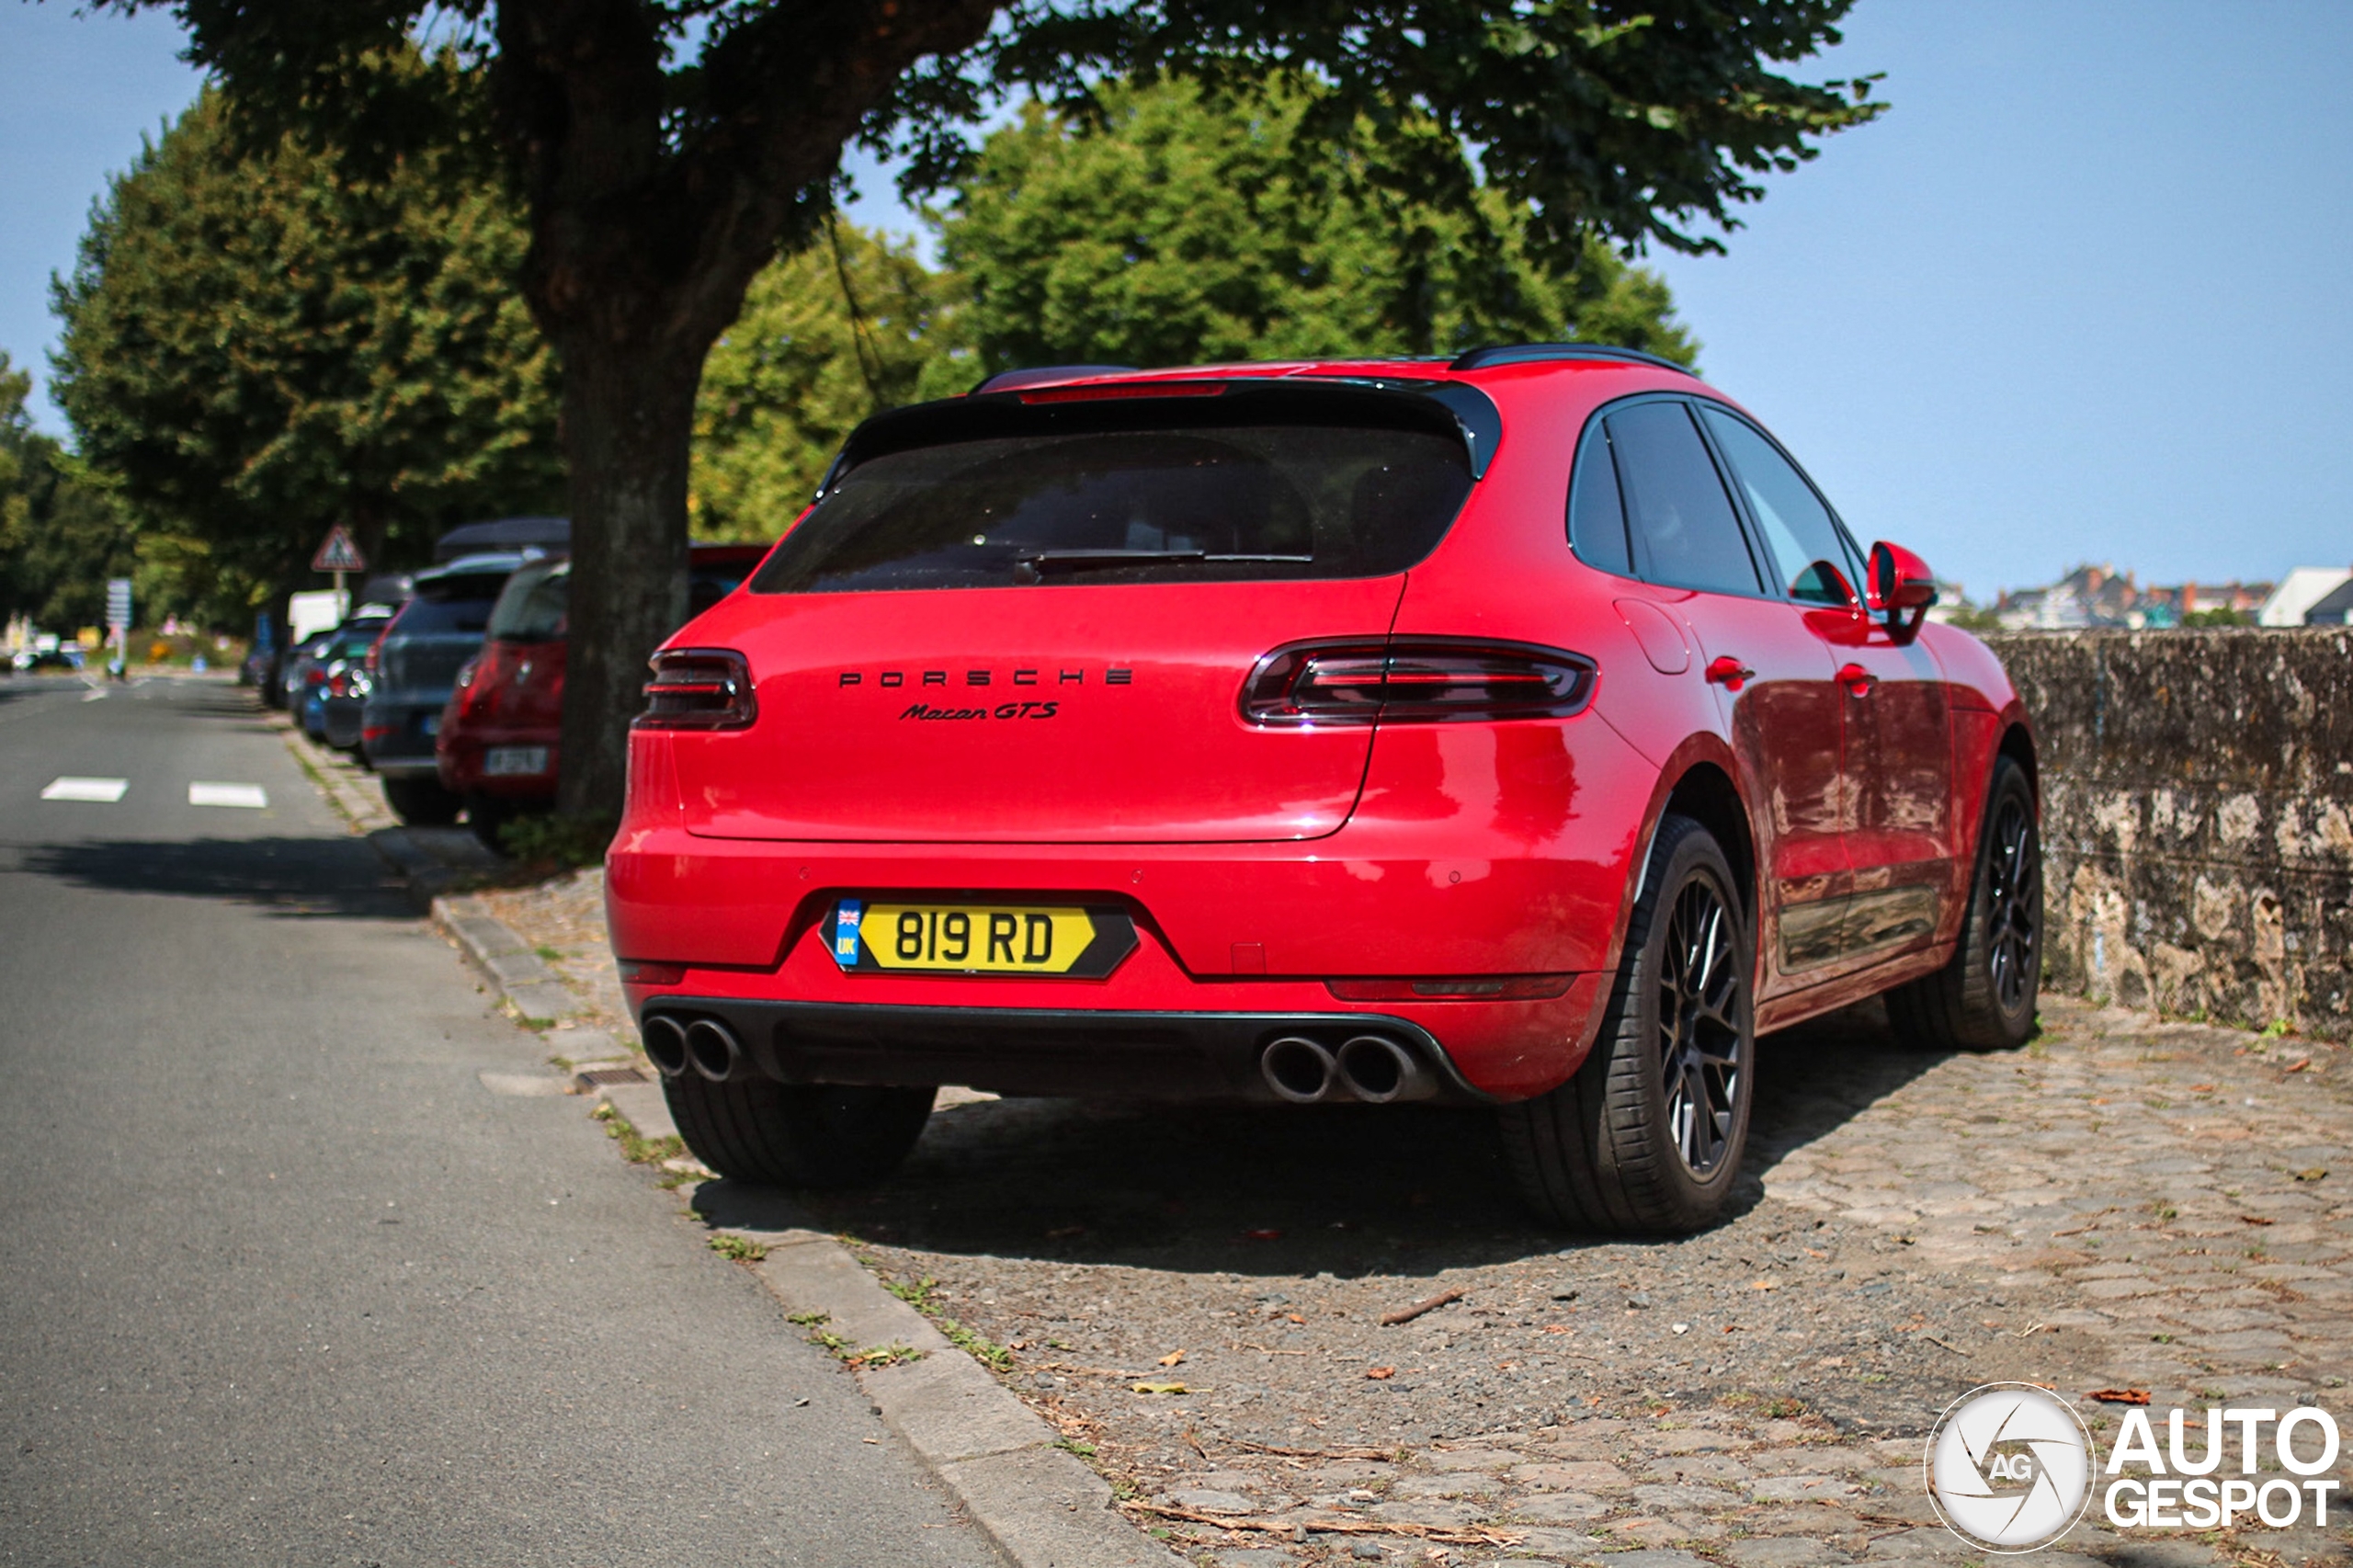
(338, 554)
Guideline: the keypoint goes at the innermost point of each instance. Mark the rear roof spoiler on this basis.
(1454, 407)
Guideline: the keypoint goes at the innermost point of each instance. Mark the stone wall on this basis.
(2198, 818)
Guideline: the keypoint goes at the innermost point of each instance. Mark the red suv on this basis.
(1523, 730)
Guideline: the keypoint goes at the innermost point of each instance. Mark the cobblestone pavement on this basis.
(2127, 1204)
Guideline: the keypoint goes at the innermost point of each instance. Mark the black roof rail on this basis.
(1531, 353)
(1014, 381)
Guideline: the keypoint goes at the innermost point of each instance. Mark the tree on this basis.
(843, 330)
(61, 537)
(1172, 230)
(258, 346)
(669, 148)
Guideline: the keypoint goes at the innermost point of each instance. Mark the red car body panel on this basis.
(1259, 865)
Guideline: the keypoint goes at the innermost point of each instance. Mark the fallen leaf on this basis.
(1380, 1374)
(2256, 1220)
(2201, 1088)
(1172, 1358)
(1815, 1252)
(1264, 1236)
(2119, 1396)
(2298, 1066)
(2314, 1173)
(1732, 1328)
(1294, 1317)
(1557, 1328)
(1764, 1284)
(1157, 1388)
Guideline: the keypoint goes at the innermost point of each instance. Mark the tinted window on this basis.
(450, 605)
(705, 585)
(1323, 501)
(1596, 510)
(1798, 529)
(531, 609)
(1686, 534)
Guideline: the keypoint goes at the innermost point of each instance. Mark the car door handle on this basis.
(1729, 673)
(1857, 680)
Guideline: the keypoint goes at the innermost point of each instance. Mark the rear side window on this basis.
(1207, 503)
(1684, 531)
(449, 606)
(1799, 529)
(1596, 509)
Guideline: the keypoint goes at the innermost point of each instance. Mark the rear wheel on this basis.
(421, 803)
(797, 1134)
(1647, 1137)
(1984, 999)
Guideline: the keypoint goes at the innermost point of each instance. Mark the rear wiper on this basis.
(1038, 563)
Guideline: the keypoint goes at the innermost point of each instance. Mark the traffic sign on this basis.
(118, 603)
(338, 554)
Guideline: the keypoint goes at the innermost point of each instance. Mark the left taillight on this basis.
(1415, 680)
(698, 688)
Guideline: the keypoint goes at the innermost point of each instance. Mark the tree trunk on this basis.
(627, 426)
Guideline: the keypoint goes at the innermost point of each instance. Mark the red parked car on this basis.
(1523, 731)
(498, 748)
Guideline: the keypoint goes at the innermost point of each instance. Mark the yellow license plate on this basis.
(892, 936)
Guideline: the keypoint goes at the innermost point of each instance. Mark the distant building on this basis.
(2335, 609)
(2300, 591)
(2100, 595)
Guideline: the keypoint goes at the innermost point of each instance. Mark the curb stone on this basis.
(1041, 1505)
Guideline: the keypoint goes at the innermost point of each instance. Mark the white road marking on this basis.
(248, 795)
(105, 791)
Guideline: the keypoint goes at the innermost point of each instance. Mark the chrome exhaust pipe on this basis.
(1379, 1071)
(1298, 1069)
(665, 1044)
(713, 1049)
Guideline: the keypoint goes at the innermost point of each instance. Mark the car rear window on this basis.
(532, 608)
(450, 606)
(1155, 501)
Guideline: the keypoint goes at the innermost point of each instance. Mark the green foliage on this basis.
(62, 536)
(1180, 228)
(828, 336)
(258, 344)
(541, 839)
(2217, 617)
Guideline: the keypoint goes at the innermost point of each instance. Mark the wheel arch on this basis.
(1706, 793)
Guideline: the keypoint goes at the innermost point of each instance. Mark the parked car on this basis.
(336, 652)
(410, 674)
(1524, 732)
(343, 706)
(498, 748)
(31, 662)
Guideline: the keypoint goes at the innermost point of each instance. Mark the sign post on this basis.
(118, 625)
(339, 556)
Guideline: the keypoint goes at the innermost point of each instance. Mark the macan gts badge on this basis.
(1524, 731)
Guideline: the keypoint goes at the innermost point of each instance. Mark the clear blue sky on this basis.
(2083, 296)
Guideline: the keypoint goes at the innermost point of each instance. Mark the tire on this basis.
(1984, 999)
(487, 816)
(421, 803)
(813, 1135)
(1616, 1148)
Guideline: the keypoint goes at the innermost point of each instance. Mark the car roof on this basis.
(1405, 368)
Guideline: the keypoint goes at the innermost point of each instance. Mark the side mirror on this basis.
(1902, 589)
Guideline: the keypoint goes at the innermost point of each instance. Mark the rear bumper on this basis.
(461, 749)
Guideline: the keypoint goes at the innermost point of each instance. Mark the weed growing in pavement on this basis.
(636, 1148)
(548, 954)
(995, 1357)
(1073, 1445)
(841, 1349)
(738, 1249)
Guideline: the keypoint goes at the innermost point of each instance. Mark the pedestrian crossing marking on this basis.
(105, 791)
(251, 796)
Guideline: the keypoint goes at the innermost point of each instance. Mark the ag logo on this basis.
(2009, 1468)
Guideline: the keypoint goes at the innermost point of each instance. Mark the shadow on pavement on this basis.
(294, 877)
(1353, 1191)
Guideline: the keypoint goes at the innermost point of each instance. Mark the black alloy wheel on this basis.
(2014, 887)
(1703, 1049)
(1983, 999)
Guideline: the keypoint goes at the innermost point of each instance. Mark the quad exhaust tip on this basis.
(1374, 1069)
(665, 1044)
(713, 1049)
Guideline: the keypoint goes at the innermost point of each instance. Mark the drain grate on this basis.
(601, 1077)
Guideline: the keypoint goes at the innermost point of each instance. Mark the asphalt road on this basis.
(281, 1283)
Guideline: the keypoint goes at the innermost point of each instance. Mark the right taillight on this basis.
(698, 688)
(1415, 680)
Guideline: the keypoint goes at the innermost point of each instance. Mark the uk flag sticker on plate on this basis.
(845, 917)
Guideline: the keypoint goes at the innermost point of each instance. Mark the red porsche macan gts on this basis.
(1523, 731)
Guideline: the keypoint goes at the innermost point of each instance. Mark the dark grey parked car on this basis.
(416, 666)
